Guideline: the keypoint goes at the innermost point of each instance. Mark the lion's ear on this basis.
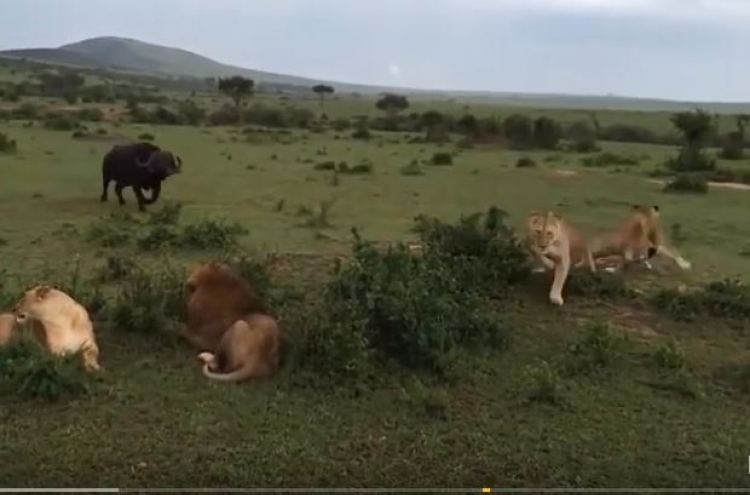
(554, 214)
(656, 208)
(42, 291)
(636, 207)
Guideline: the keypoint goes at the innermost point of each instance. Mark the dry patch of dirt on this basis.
(564, 173)
(726, 185)
(635, 321)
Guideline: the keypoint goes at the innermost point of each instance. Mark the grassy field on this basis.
(151, 419)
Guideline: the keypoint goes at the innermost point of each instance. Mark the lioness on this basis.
(637, 238)
(60, 323)
(228, 322)
(7, 327)
(556, 244)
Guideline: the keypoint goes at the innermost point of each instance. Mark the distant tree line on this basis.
(515, 131)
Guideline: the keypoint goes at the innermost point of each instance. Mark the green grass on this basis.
(152, 419)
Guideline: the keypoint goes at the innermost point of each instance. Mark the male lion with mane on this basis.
(637, 238)
(228, 322)
(556, 244)
(60, 323)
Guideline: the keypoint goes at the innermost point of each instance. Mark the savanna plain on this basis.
(448, 368)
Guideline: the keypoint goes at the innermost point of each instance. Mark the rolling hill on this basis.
(138, 56)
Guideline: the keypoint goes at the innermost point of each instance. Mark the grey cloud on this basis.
(685, 49)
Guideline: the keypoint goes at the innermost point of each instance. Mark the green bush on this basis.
(7, 145)
(687, 183)
(582, 282)
(327, 165)
(56, 122)
(210, 234)
(364, 167)
(149, 302)
(396, 306)
(115, 268)
(609, 158)
(168, 214)
(525, 162)
(484, 252)
(412, 169)
(595, 348)
(113, 230)
(441, 158)
(728, 299)
(28, 371)
(543, 383)
(669, 356)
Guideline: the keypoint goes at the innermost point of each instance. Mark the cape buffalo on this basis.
(140, 166)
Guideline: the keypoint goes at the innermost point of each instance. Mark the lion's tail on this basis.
(243, 373)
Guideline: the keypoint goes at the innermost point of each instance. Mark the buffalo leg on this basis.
(118, 192)
(105, 189)
(142, 202)
(155, 191)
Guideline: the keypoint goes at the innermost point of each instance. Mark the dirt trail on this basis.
(725, 185)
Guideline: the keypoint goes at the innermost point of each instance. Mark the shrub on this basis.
(7, 145)
(327, 165)
(412, 169)
(365, 167)
(168, 214)
(396, 306)
(90, 114)
(146, 136)
(113, 230)
(30, 372)
(319, 218)
(691, 160)
(687, 183)
(486, 255)
(609, 158)
(596, 347)
(525, 162)
(340, 124)
(60, 123)
(149, 302)
(584, 145)
(596, 285)
(361, 133)
(669, 356)
(442, 158)
(543, 383)
(115, 268)
(518, 130)
(156, 238)
(728, 299)
(210, 234)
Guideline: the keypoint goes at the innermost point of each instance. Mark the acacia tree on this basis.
(546, 133)
(237, 88)
(734, 146)
(322, 90)
(696, 127)
(392, 104)
(433, 121)
(518, 131)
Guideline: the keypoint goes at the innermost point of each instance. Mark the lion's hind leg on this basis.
(681, 262)
(90, 356)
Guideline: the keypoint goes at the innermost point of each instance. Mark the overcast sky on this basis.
(677, 49)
